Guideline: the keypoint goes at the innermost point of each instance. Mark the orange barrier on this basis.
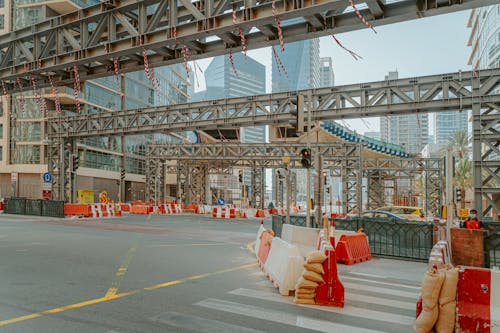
(77, 209)
(260, 213)
(352, 249)
(139, 209)
(125, 207)
(265, 246)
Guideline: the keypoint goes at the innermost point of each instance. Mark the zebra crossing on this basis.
(372, 305)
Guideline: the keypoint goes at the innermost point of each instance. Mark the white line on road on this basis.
(348, 310)
(389, 291)
(280, 317)
(348, 278)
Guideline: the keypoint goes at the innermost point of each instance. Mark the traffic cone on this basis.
(262, 222)
(244, 214)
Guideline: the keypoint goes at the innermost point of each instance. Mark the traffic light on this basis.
(458, 194)
(299, 123)
(305, 155)
(122, 174)
(76, 160)
(240, 176)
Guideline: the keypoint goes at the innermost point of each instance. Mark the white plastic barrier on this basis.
(304, 238)
(257, 242)
(284, 265)
(96, 210)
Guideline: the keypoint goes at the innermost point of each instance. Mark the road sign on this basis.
(220, 201)
(47, 194)
(46, 186)
(47, 177)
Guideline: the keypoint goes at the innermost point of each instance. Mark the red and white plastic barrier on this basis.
(284, 265)
(440, 254)
(478, 300)
(96, 210)
(304, 238)
(223, 212)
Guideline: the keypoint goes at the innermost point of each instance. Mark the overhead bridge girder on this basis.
(91, 38)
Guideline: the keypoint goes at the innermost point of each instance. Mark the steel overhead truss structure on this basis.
(433, 93)
(257, 157)
(429, 172)
(486, 156)
(91, 38)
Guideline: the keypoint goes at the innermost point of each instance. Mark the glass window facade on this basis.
(485, 36)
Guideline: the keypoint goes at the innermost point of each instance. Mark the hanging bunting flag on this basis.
(231, 60)
(76, 88)
(185, 55)
(4, 90)
(53, 91)
(37, 98)
(279, 62)
(117, 75)
(278, 22)
(354, 55)
(242, 34)
(21, 97)
(361, 17)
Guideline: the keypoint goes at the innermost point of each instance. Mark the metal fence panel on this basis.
(492, 244)
(298, 220)
(15, 205)
(53, 208)
(34, 207)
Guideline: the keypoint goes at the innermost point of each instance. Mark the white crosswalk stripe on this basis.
(372, 305)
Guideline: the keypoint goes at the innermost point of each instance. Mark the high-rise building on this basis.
(302, 65)
(23, 144)
(409, 131)
(327, 75)
(447, 123)
(246, 79)
(484, 37)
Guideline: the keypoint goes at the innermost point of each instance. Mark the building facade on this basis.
(23, 141)
(484, 38)
(447, 123)
(409, 131)
(327, 75)
(302, 64)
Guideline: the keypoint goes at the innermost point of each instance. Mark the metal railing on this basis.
(298, 220)
(492, 244)
(23, 206)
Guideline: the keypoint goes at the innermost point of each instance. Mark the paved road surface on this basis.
(175, 274)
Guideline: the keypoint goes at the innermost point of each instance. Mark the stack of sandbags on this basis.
(431, 287)
(447, 302)
(305, 289)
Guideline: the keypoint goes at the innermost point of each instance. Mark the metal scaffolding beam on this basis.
(91, 38)
(433, 93)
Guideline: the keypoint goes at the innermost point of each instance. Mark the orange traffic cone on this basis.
(262, 222)
(244, 214)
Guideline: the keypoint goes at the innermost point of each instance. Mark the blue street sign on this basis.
(47, 177)
(220, 201)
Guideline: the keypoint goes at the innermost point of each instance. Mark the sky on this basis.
(425, 46)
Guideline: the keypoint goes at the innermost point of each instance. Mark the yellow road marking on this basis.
(115, 284)
(120, 295)
(250, 247)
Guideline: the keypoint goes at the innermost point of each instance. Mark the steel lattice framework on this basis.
(455, 91)
(344, 160)
(383, 98)
(91, 38)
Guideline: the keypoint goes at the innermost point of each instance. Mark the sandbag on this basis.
(305, 296)
(446, 318)
(305, 284)
(318, 268)
(312, 276)
(304, 301)
(431, 287)
(316, 257)
(426, 320)
(449, 289)
(305, 291)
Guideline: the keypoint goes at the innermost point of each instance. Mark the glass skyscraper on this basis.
(302, 64)
(484, 38)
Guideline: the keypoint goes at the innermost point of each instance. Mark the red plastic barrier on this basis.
(473, 300)
(2, 206)
(139, 209)
(125, 207)
(265, 246)
(77, 210)
(352, 249)
(332, 291)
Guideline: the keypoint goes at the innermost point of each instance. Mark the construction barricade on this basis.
(331, 292)
(266, 239)
(440, 254)
(139, 209)
(2, 206)
(257, 241)
(284, 265)
(77, 210)
(223, 212)
(352, 249)
(304, 238)
(478, 300)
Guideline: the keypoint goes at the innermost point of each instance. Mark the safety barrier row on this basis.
(93, 210)
(223, 212)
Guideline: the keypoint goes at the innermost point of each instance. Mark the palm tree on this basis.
(459, 144)
(463, 177)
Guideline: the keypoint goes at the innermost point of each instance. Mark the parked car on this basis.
(380, 214)
(412, 213)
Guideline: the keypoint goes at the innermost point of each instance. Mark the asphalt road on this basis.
(174, 274)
